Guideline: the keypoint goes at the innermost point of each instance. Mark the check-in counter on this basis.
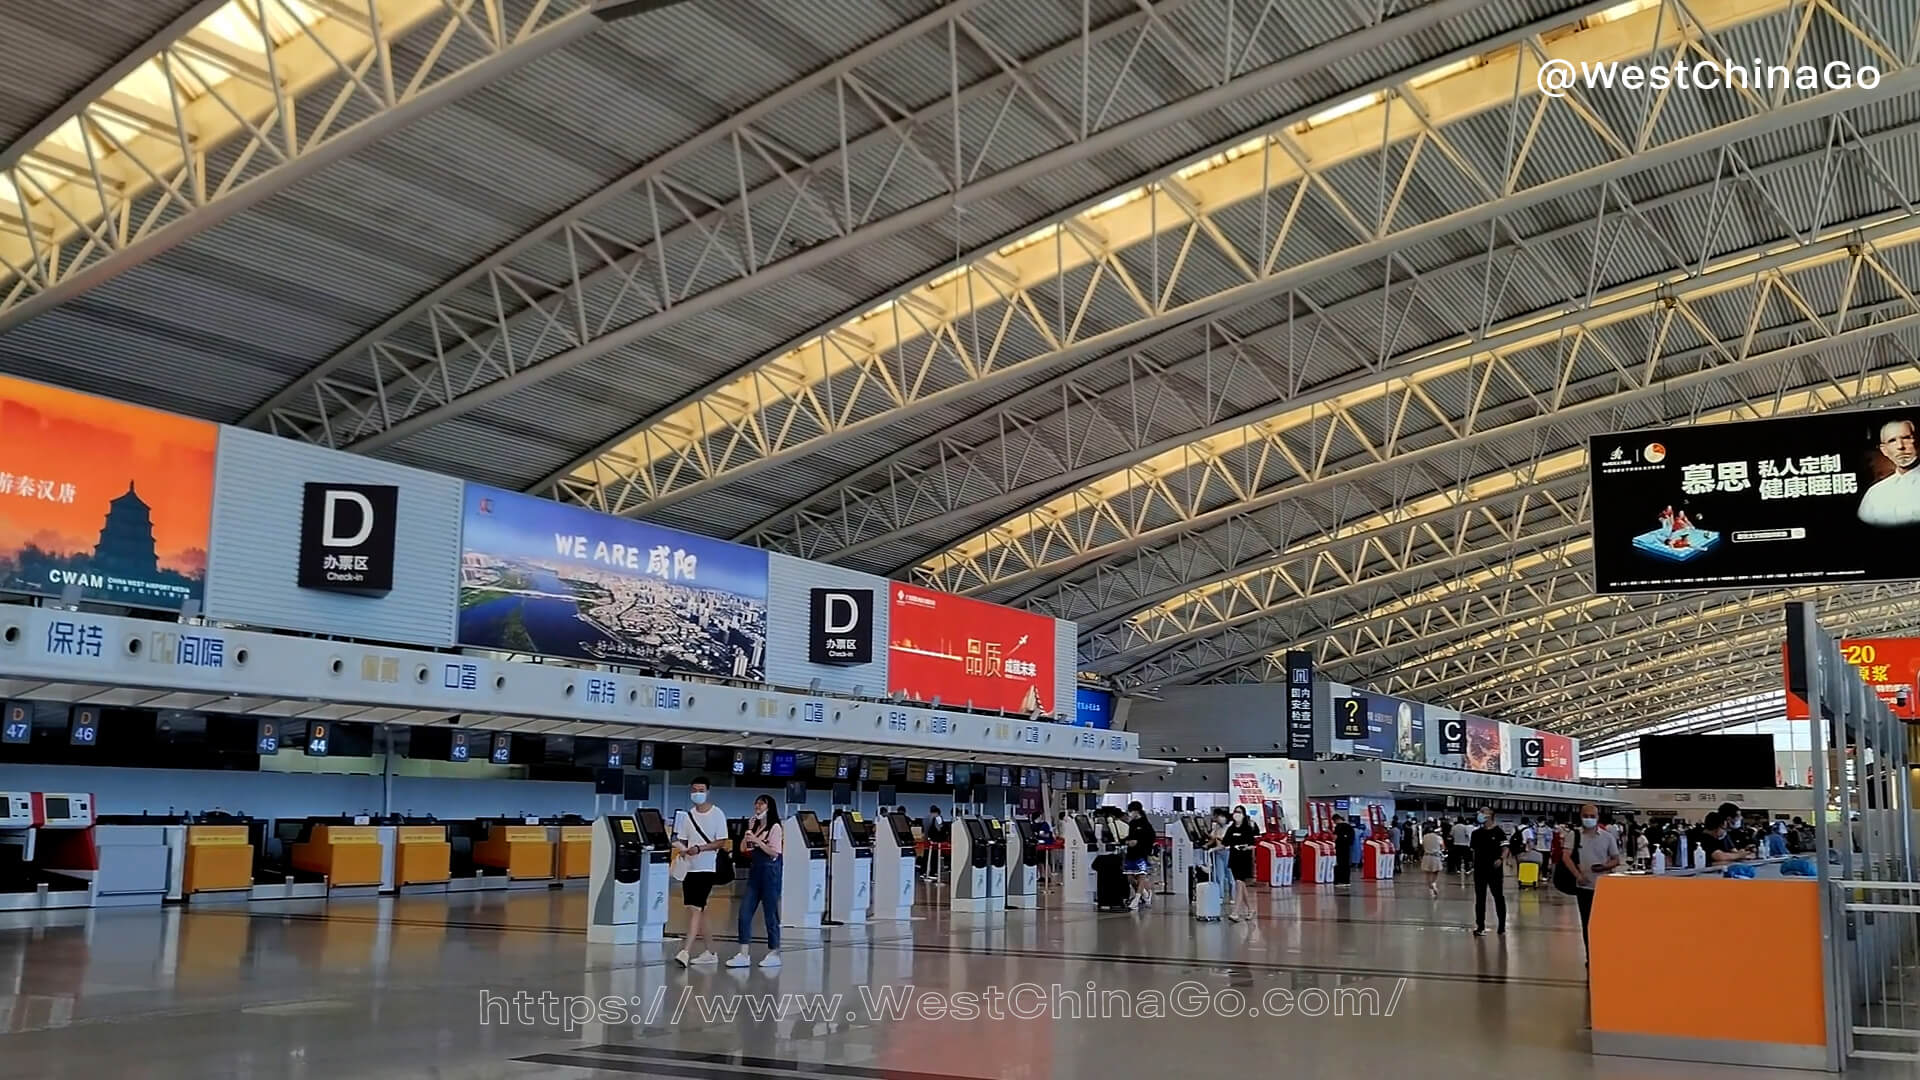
(348, 855)
(523, 852)
(573, 852)
(135, 862)
(1659, 989)
(219, 859)
(422, 857)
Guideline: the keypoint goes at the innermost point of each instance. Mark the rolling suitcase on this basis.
(1529, 875)
(1110, 890)
(1206, 896)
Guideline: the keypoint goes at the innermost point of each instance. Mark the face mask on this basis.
(1483, 819)
(1737, 820)
(760, 812)
(1590, 822)
(699, 798)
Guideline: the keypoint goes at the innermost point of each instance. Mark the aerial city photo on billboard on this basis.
(538, 576)
(111, 499)
(1833, 497)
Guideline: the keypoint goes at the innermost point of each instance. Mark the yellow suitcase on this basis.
(1529, 875)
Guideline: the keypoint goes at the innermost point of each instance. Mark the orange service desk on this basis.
(219, 859)
(421, 855)
(1690, 967)
(573, 856)
(523, 851)
(349, 855)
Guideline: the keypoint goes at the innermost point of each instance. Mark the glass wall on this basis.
(1759, 714)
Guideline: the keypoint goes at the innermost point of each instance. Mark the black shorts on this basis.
(695, 889)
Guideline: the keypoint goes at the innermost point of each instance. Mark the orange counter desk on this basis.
(349, 855)
(1704, 968)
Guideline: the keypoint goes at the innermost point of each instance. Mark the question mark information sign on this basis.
(1350, 716)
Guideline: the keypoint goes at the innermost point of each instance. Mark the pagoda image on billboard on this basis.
(126, 548)
(1677, 539)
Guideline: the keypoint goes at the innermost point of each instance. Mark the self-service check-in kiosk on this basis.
(655, 871)
(619, 859)
(47, 857)
(803, 873)
(893, 866)
(973, 866)
(1023, 865)
(1078, 885)
(851, 869)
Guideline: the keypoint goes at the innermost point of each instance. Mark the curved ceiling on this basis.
(1220, 327)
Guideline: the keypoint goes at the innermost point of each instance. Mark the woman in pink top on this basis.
(764, 840)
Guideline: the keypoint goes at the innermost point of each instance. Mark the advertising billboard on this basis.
(110, 498)
(1829, 498)
(1395, 729)
(1485, 753)
(1256, 783)
(537, 576)
(1092, 708)
(968, 651)
(1557, 757)
(1891, 666)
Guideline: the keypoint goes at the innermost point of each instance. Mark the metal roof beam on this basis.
(878, 137)
(143, 191)
(866, 395)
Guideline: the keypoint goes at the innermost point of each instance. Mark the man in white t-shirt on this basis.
(1895, 500)
(700, 836)
(1462, 846)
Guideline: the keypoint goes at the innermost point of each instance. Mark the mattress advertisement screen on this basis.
(1827, 498)
(537, 576)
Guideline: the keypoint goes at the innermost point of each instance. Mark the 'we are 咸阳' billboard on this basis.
(537, 576)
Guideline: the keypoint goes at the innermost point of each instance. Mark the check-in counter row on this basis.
(145, 859)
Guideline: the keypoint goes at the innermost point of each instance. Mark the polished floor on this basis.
(417, 986)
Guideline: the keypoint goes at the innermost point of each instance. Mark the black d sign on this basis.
(840, 626)
(347, 537)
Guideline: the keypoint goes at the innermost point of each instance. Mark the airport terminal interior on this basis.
(959, 539)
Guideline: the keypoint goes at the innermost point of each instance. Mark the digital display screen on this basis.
(626, 824)
(1805, 500)
(827, 767)
(809, 823)
(57, 809)
(783, 762)
(652, 824)
(845, 767)
(739, 763)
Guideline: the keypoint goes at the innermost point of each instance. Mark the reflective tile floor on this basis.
(1377, 982)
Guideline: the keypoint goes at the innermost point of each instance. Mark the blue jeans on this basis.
(763, 891)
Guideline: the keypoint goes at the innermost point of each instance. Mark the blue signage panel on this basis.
(538, 576)
(1092, 708)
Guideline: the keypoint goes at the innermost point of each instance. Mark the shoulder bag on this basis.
(1564, 879)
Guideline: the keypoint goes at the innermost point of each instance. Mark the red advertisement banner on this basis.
(1556, 762)
(961, 650)
(1890, 666)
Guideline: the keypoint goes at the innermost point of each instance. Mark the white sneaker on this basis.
(740, 960)
(681, 958)
(706, 958)
(771, 960)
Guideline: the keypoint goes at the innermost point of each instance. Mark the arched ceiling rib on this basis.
(863, 152)
(232, 103)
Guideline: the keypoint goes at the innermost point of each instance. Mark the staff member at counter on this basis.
(1589, 855)
(1718, 846)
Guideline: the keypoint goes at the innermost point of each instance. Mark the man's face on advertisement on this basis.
(1897, 443)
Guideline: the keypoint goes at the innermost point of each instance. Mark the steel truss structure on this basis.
(1220, 327)
(237, 100)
